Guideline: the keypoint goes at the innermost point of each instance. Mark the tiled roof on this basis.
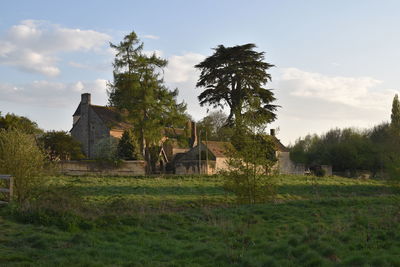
(111, 117)
(219, 149)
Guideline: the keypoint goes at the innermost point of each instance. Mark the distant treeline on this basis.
(344, 149)
(350, 149)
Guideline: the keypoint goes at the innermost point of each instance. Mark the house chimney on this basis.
(272, 132)
(86, 98)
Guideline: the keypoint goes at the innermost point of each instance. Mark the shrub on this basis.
(61, 146)
(127, 146)
(106, 149)
(249, 166)
(21, 157)
(319, 172)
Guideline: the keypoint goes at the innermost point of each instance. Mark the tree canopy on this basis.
(213, 126)
(236, 76)
(21, 123)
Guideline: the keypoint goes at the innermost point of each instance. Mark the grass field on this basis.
(191, 221)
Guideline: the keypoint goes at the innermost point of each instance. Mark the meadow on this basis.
(192, 221)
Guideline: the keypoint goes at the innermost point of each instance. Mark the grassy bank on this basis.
(191, 221)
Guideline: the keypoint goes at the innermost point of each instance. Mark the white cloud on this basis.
(181, 73)
(33, 45)
(181, 68)
(149, 36)
(53, 94)
(360, 92)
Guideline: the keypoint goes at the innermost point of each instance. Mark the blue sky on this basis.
(336, 62)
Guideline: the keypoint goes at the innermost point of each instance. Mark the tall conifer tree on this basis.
(138, 88)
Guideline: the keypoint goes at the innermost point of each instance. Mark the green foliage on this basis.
(128, 148)
(392, 144)
(138, 87)
(235, 76)
(320, 172)
(23, 124)
(395, 116)
(249, 165)
(344, 149)
(300, 152)
(214, 127)
(21, 157)
(106, 149)
(59, 145)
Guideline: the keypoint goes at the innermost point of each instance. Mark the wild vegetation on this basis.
(22, 158)
(23, 124)
(192, 221)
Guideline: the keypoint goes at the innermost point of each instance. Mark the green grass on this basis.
(191, 221)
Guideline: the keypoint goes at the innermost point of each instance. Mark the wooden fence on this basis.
(7, 190)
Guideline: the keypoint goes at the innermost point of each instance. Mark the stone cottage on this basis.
(208, 157)
(284, 164)
(214, 156)
(92, 123)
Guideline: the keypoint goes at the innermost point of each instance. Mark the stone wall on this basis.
(286, 166)
(126, 168)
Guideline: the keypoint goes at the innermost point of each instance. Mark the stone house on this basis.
(284, 164)
(208, 157)
(92, 123)
(214, 156)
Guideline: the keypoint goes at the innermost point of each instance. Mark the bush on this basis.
(61, 146)
(319, 172)
(127, 146)
(249, 166)
(106, 149)
(21, 157)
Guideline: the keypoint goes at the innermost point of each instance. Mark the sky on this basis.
(336, 62)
